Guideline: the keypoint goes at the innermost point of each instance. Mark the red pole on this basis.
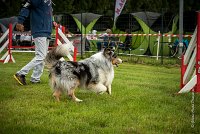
(75, 53)
(63, 29)
(183, 69)
(56, 40)
(10, 42)
(198, 54)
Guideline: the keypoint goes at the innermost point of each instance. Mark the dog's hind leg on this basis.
(109, 90)
(57, 94)
(72, 95)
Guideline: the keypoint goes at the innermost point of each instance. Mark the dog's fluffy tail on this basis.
(55, 54)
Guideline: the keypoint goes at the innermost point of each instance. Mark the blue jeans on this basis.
(105, 44)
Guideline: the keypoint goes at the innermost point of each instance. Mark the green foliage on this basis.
(12, 7)
(142, 102)
(63, 6)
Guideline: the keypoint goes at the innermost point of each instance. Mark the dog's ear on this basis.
(108, 52)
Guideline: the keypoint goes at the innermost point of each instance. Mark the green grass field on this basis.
(143, 101)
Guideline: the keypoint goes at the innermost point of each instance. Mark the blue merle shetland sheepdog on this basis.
(95, 73)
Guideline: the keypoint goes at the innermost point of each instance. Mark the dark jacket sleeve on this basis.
(35, 3)
(24, 13)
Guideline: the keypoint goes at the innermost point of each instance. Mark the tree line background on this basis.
(10, 8)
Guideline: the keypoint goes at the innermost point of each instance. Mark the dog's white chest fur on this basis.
(107, 77)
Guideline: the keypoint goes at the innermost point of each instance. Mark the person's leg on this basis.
(105, 44)
(112, 45)
(41, 52)
(99, 46)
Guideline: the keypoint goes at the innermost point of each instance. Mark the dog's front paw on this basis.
(108, 91)
(78, 100)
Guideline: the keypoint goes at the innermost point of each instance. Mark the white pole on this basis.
(158, 47)
(71, 47)
(189, 85)
(4, 35)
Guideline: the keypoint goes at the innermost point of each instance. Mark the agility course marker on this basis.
(189, 60)
(7, 57)
(158, 47)
(70, 47)
(188, 63)
(198, 54)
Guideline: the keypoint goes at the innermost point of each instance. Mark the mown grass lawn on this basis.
(142, 102)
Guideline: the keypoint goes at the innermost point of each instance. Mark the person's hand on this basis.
(20, 27)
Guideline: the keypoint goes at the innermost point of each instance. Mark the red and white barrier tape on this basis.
(115, 35)
(118, 35)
